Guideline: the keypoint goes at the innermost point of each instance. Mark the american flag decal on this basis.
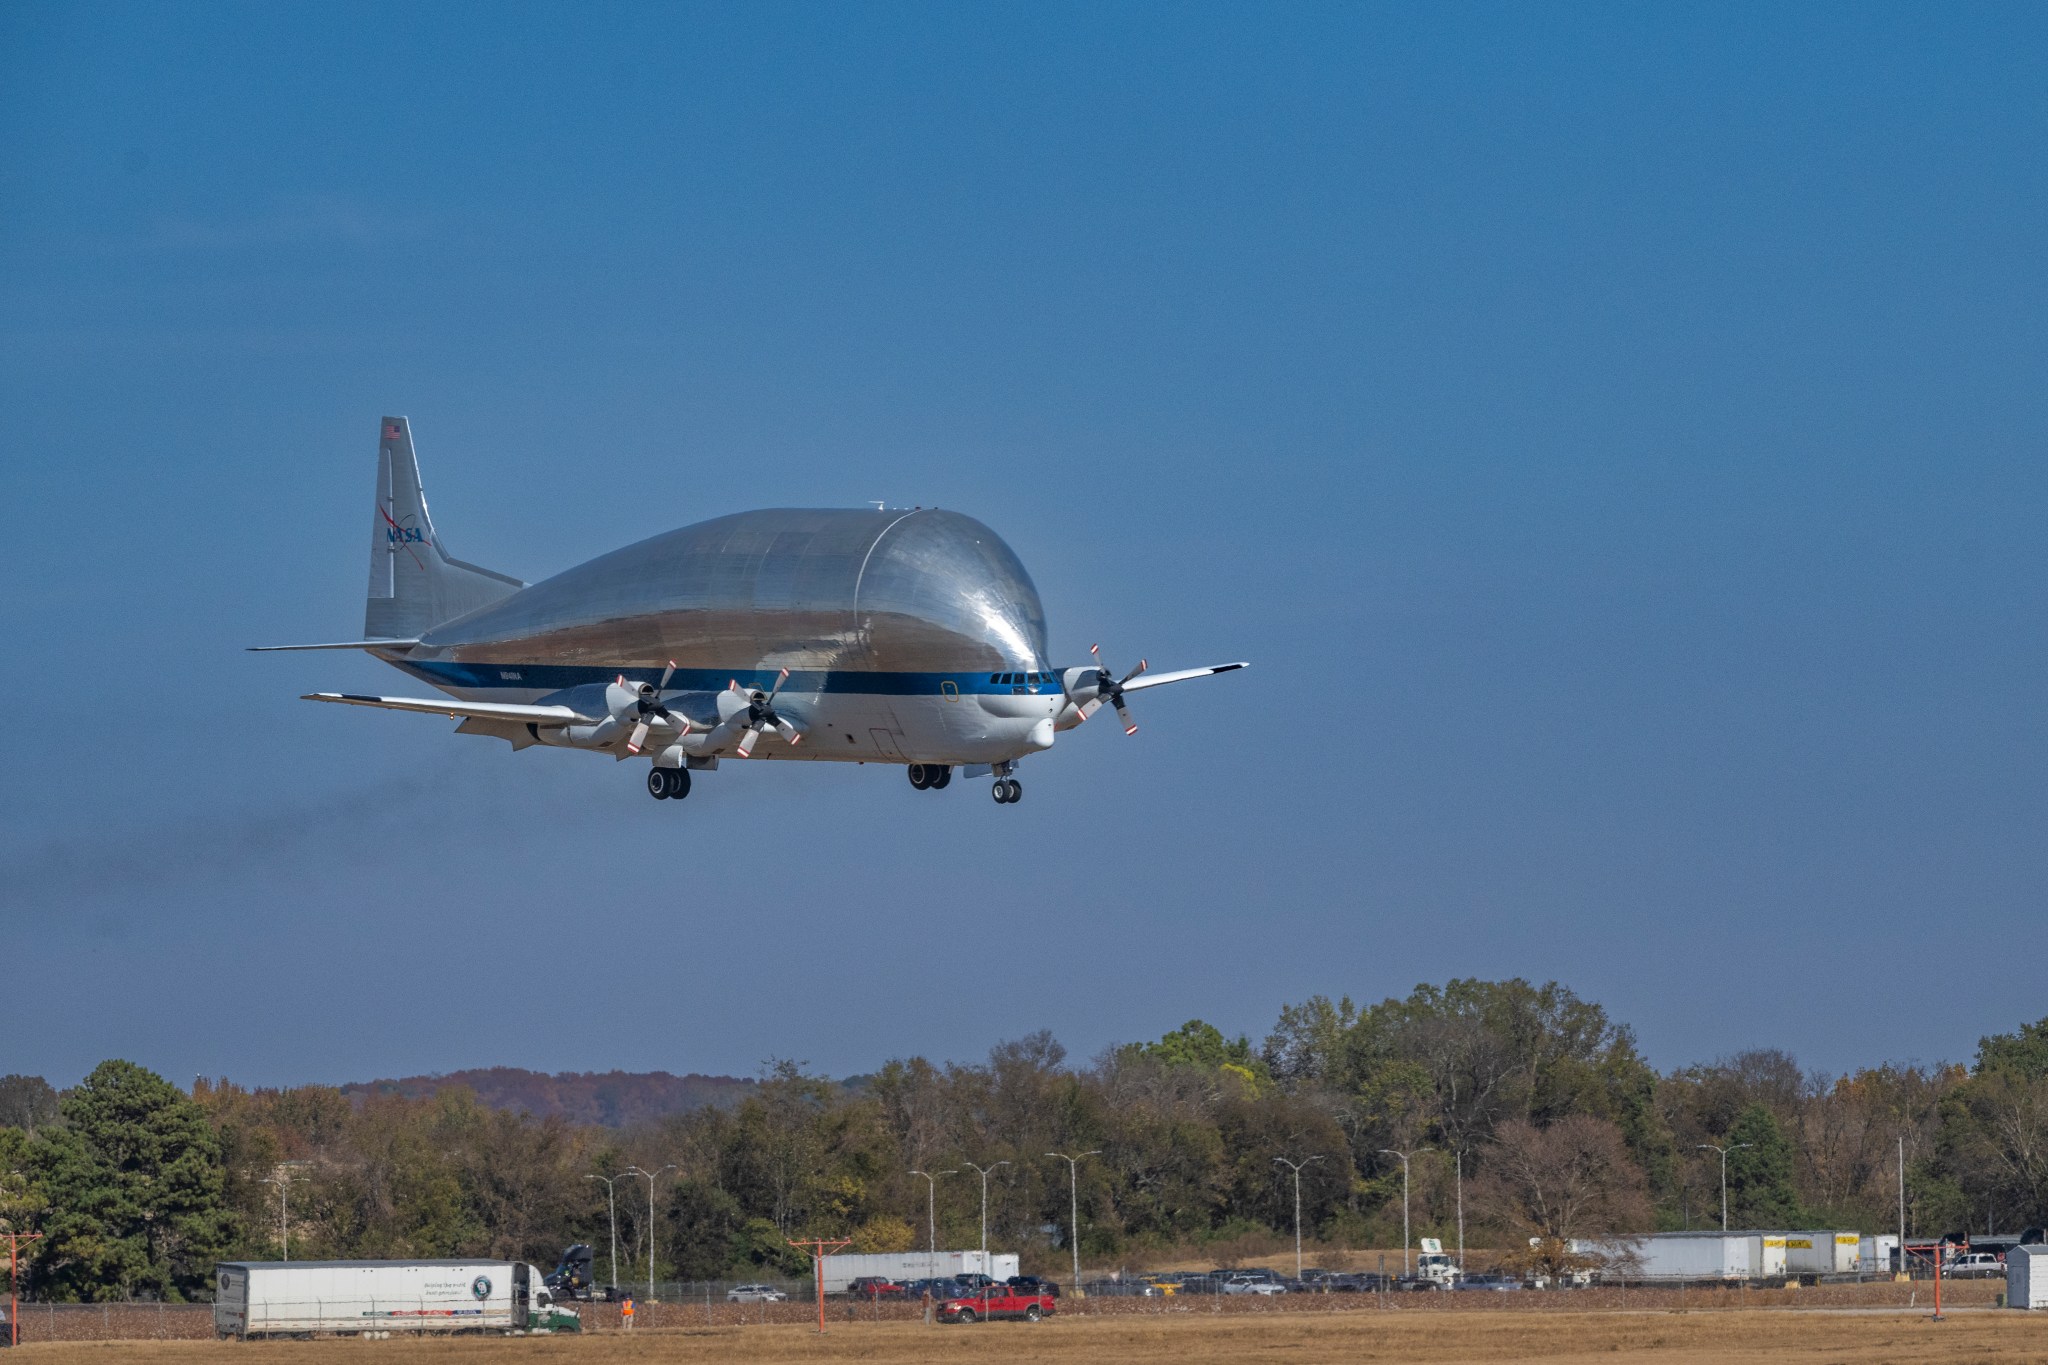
(391, 431)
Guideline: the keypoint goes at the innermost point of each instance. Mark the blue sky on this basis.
(1614, 433)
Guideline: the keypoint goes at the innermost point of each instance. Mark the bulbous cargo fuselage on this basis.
(908, 635)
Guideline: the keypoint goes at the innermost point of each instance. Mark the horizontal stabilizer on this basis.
(1161, 679)
(448, 706)
(395, 646)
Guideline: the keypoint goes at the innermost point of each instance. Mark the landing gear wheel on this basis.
(940, 776)
(668, 784)
(1007, 790)
(920, 776)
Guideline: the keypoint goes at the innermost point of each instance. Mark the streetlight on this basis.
(1074, 1203)
(283, 1181)
(931, 1221)
(1460, 1153)
(1389, 1151)
(984, 1216)
(1724, 1151)
(612, 1203)
(1296, 1166)
(635, 1170)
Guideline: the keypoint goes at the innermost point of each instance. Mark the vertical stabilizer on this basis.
(414, 584)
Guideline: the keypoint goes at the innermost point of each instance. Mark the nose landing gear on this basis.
(1007, 791)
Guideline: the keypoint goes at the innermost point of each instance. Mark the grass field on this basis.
(1450, 1337)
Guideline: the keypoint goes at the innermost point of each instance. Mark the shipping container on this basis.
(841, 1271)
(264, 1298)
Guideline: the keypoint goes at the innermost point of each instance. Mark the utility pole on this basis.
(1074, 1207)
(1296, 1167)
(1389, 1151)
(1902, 1202)
(14, 1241)
(1724, 1151)
(283, 1181)
(931, 1222)
(984, 1229)
(612, 1204)
(651, 1176)
(1460, 1153)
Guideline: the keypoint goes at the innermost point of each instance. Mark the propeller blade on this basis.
(639, 737)
(746, 749)
(789, 733)
(1132, 674)
(1090, 707)
(666, 674)
(1122, 714)
(779, 681)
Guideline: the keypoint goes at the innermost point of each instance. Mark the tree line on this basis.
(1529, 1103)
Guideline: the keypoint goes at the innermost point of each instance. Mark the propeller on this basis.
(760, 716)
(643, 704)
(1109, 689)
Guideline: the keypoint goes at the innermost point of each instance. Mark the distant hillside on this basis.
(612, 1099)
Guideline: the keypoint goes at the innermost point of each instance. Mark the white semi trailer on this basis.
(352, 1298)
(841, 1271)
(1691, 1257)
(1822, 1252)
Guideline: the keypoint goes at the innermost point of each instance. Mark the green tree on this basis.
(1761, 1193)
(134, 1182)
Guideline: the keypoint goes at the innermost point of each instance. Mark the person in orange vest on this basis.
(626, 1313)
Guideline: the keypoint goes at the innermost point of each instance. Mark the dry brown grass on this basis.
(1447, 1337)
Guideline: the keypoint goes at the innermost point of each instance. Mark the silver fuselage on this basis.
(909, 636)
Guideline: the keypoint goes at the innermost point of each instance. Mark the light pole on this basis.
(1389, 1151)
(612, 1203)
(1074, 1206)
(1724, 1151)
(1460, 1153)
(984, 1217)
(1296, 1166)
(931, 1221)
(283, 1181)
(651, 1175)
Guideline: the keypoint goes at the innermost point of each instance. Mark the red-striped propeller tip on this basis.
(1130, 729)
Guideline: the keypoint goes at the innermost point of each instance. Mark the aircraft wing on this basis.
(449, 706)
(396, 646)
(1161, 679)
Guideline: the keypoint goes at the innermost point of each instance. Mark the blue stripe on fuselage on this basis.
(561, 677)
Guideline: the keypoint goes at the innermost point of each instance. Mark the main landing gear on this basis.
(930, 776)
(1007, 791)
(668, 784)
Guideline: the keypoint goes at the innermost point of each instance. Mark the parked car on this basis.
(997, 1304)
(1121, 1289)
(755, 1293)
(1241, 1283)
(1977, 1265)
(875, 1287)
(1033, 1284)
(1493, 1282)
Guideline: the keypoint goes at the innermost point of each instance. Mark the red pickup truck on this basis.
(998, 1302)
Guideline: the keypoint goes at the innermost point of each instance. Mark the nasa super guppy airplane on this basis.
(851, 636)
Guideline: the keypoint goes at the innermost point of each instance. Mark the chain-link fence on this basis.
(698, 1305)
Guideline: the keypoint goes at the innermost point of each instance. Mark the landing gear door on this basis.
(885, 743)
